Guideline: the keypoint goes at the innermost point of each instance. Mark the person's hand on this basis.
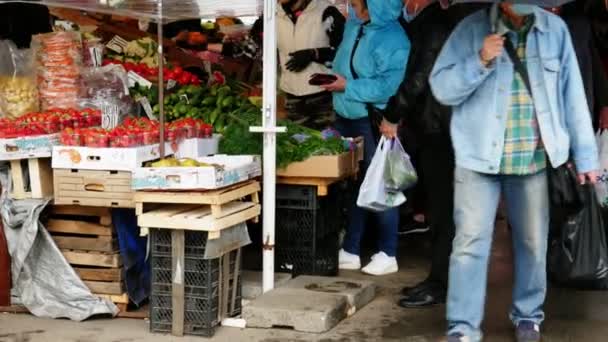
(339, 84)
(388, 129)
(587, 178)
(300, 60)
(492, 48)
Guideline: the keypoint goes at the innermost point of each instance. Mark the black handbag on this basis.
(374, 113)
(563, 187)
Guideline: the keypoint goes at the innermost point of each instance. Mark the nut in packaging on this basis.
(18, 90)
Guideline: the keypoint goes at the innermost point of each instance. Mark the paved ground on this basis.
(382, 320)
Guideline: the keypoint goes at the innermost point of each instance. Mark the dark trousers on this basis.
(437, 164)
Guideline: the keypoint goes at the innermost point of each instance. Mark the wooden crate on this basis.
(93, 188)
(210, 211)
(88, 241)
(40, 178)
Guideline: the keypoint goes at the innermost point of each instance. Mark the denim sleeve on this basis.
(390, 70)
(583, 145)
(458, 71)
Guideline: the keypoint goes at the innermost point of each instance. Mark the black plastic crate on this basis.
(308, 228)
(201, 285)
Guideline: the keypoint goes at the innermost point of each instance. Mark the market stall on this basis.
(99, 120)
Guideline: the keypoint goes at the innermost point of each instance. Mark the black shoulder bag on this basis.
(563, 184)
(374, 113)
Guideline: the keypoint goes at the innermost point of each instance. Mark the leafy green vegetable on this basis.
(238, 140)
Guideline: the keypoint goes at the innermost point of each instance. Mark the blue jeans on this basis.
(388, 220)
(476, 199)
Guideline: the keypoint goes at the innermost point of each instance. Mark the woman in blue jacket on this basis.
(370, 65)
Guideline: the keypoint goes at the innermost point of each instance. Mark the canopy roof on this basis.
(149, 9)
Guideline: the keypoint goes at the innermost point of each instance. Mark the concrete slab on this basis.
(252, 283)
(358, 293)
(297, 309)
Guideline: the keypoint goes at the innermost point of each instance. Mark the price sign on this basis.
(134, 77)
(171, 84)
(109, 116)
(117, 44)
(96, 56)
(145, 103)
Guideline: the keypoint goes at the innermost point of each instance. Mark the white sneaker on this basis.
(381, 264)
(348, 261)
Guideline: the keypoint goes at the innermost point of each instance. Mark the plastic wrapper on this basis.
(18, 90)
(106, 86)
(578, 250)
(399, 173)
(58, 60)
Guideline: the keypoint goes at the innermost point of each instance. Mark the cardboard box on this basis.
(196, 148)
(229, 170)
(28, 147)
(110, 158)
(337, 166)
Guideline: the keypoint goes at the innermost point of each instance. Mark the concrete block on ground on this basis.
(358, 293)
(252, 283)
(297, 309)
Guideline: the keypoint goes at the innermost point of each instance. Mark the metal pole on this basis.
(161, 88)
(269, 120)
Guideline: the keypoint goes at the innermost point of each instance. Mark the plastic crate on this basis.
(308, 228)
(201, 285)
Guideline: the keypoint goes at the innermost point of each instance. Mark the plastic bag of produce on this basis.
(374, 194)
(58, 57)
(399, 173)
(18, 91)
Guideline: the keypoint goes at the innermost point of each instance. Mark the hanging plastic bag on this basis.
(601, 187)
(399, 173)
(578, 250)
(18, 89)
(374, 193)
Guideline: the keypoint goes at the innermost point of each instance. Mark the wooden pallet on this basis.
(87, 240)
(214, 198)
(210, 211)
(93, 188)
(200, 218)
(40, 178)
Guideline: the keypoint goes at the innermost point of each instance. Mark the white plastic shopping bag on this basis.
(601, 187)
(374, 194)
(399, 173)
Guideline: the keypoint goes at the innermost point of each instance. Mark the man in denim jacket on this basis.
(504, 139)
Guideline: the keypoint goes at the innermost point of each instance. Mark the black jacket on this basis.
(586, 49)
(414, 102)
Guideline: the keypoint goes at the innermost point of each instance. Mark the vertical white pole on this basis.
(269, 120)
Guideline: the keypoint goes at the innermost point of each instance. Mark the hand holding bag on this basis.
(374, 194)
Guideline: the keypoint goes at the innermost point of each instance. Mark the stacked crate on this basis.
(87, 239)
(190, 294)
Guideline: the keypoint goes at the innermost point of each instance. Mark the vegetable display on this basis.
(217, 105)
(298, 144)
(135, 132)
(177, 74)
(49, 122)
(144, 50)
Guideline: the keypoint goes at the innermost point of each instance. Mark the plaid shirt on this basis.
(523, 152)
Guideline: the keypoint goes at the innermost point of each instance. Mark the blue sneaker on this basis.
(527, 331)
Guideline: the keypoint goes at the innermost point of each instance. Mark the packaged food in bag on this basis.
(18, 90)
